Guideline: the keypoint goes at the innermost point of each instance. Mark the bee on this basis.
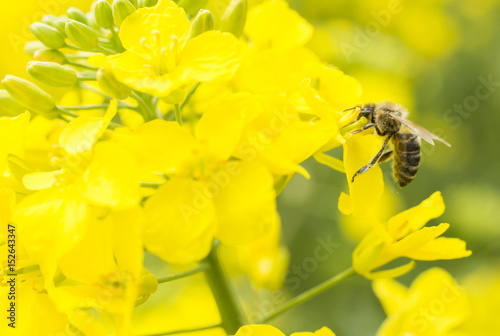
(389, 119)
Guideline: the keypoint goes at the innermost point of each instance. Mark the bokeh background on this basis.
(436, 57)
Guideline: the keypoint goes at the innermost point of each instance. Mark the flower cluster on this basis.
(177, 130)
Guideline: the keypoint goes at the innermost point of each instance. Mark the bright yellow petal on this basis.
(245, 202)
(441, 248)
(416, 217)
(112, 179)
(368, 187)
(321, 332)
(39, 181)
(340, 90)
(81, 133)
(274, 25)
(211, 55)
(7, 203)
(180, 221)
(390, 293)
(160, 146)
(221, 125)
(12, 136)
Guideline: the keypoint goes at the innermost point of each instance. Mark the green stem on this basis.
(309, 294)
(178, 114)
(186, 100)
(200, 268)
(96, 106)
(94, 90)
(151, 185)
(148, 113)
(84, 78)
(84, 66)
(229, 308)
(186, 330)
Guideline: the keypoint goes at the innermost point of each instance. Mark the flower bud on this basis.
(77, 15)
(52, 74)
(234, 18)
(147, 3)
(203, 22)
(103, 14)
(8, 105)
(31, 47)
(29, 95)
(111, 86)
(192, 6)
(48, 55)
(134, 3)
(49, 19)
(81, 35)
(60, 25)
(48, 35)
(121, 9)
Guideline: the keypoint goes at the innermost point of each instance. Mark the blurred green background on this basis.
(432, 56)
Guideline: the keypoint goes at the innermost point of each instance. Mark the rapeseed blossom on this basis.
(174, 137)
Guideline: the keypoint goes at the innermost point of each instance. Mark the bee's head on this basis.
(367, 110)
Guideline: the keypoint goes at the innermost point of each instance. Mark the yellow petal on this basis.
(211, 55)
(180, 221)
(160, 146)
(416, 217)
(245, 202)
(441, 248)
(112, 177)
(368, 187)
(340, 90)
(50, 222)
(390, 293)
(39, 181)
(82, 132)
(258, 330)
(321, 332)
(415, 240)
(221, 125)
(7, 203)
(273, 24)
(12, 136)
(127, 239)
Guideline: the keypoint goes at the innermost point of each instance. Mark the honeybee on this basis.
(389, 119)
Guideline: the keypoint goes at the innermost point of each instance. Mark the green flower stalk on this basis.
(111, 86)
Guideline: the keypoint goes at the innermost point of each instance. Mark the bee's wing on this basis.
(420, 131)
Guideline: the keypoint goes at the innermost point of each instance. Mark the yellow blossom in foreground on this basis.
(267, 330)
(208, 193)
(90, 173)
(433, 305)
(406, 236)
(162, 59)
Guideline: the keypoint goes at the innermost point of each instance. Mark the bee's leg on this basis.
(364, 128)
(386, 156)
(379, 132)
(374, 160)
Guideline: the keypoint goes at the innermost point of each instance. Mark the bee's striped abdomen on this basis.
(406, 157)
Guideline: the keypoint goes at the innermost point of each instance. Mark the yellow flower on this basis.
(267, 330)
(90, 173)
(103, 273)
(406, 236)
(162, 60)
(264, 261)
(433, 305)
(208, 194)
(274, 25)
